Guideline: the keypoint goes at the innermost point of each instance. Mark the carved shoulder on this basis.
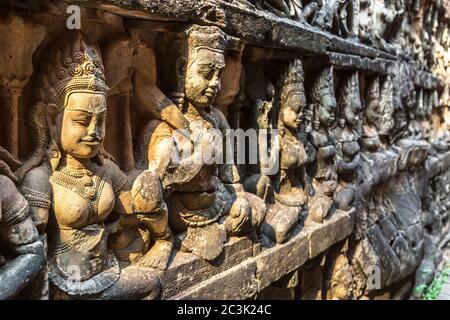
(158, 131)
(119, 179)
(9, 195)
(36, 187)
(220, 119)
(15, 215)
(317, 139)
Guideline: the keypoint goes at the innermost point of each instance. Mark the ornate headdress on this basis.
(373, 90)
(206, 37)
(323, 85)
(387, 107)
(76, 66)
(387, 96)
(292, 79)
(348, 95)
(323, 81)
(191, 40)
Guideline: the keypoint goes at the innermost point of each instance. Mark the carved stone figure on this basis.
(340, 17)
(379, 162)
(21, 251)
(324, 169)
(346, 136)
(366, 23)
(294, 125)
(388, 19)
(207, 202)
(77, 192)
(293, 185)
(260, 98)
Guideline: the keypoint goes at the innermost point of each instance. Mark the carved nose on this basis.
(214, 84)
(93, 134)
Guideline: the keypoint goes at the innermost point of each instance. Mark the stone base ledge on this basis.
(244, 270)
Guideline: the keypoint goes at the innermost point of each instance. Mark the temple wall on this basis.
(356, 209)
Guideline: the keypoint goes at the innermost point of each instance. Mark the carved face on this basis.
(203, 73)
(371, 112)
(291, 111)
(83, 124)
(327, 109)
(351, 112)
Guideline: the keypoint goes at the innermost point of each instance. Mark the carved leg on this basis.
(322, 202)
(281, 220)
(159, 254)
(152, 212)
(260, 185)
(134, 283)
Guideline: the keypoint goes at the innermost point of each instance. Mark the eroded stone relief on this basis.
(119, 181)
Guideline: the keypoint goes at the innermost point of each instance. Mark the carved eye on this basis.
(206, 72)
(83, 121)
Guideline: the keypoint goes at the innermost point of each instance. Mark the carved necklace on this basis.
(85, 177)
(86, 183)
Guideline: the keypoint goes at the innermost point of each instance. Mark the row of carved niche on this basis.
(267, 77)
(367, 20)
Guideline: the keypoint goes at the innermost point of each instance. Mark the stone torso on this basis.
(293, 153)
(346, 143)
(370, 140)
(91, 198)
(325, 154)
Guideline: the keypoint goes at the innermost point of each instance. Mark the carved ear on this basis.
(51, 110)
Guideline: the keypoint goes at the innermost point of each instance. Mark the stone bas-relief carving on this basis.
(76, 189)
(346, 136)
(287, 193)
(323, 170)
(207, 202)
(361, 151)
(22, 253)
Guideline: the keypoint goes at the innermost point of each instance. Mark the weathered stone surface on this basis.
(274, 263)
(187, 270)
(379, 65)
(236, 283)
(322, 236)
(90, 170)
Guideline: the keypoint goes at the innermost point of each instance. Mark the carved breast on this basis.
(75, 208)
(292, 153)
(205, 180)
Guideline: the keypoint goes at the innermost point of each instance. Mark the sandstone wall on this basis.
(366, 220)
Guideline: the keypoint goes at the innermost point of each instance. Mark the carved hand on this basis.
(239, 217)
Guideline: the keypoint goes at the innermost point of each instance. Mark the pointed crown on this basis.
(75, 66)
